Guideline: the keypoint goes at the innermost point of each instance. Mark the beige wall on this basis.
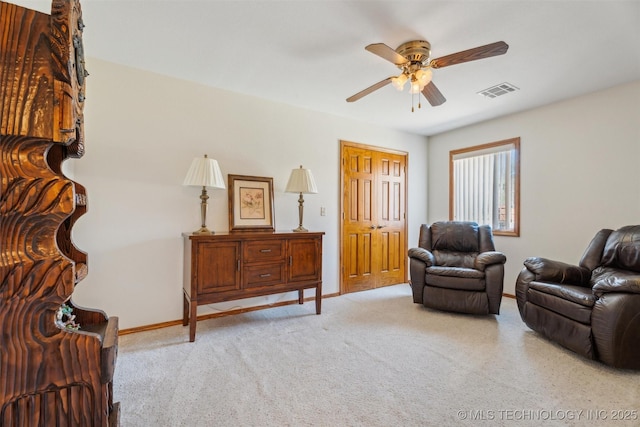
(143, 130)
(579, 172)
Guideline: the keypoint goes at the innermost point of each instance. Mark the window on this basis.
(484, 186)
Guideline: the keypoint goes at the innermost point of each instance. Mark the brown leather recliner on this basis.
(456, 268)
(593, 308)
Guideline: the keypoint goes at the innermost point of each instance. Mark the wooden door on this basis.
(373, 245)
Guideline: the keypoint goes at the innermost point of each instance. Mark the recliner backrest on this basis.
(456, 243)
(485, 239)
(622, 249)
(483, 236)
(424, 241)
(592, 257)
(455, 236)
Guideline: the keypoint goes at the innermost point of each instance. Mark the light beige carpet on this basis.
(370, 359)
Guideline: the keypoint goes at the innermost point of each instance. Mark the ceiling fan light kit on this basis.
(412, 58)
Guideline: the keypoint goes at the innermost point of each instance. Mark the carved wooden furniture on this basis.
(225, 267)
(50, 375)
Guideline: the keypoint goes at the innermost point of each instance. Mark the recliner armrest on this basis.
(558, 272)
(485, 259)
(422, 255)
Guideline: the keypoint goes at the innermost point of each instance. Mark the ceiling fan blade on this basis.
(370, 89)
(486, 51)
(385, 52)
(433, 95)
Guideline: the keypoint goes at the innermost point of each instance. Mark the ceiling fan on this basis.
(412, 58)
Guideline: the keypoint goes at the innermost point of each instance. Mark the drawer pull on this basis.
(264, 251)
(265, 275)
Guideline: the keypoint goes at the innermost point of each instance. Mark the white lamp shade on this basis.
(204, 172)
(301, 181)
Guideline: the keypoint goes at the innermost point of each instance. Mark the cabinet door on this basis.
(305, 259)
(217, 267)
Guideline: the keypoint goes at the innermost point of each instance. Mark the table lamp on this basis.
(204, 172)
(301, 181)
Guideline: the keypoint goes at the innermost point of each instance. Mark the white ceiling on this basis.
(310, 54)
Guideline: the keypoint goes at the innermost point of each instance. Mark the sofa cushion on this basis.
(455, 259)
(622, 249)
(455, 272)
(455, 278)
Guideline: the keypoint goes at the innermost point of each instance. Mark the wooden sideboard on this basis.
(232, 266)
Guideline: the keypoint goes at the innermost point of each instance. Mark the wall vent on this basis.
(498, 90)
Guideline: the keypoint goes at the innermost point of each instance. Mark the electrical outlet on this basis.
(323, 211)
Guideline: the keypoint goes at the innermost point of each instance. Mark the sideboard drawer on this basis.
(263, 275)
(264, 250)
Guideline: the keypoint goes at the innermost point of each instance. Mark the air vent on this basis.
(498, 90)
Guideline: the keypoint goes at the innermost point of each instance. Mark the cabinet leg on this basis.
(319, 298)
(300, 296)
(185, 310)
(193, 321)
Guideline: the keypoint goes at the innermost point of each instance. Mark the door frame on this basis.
(343, 144)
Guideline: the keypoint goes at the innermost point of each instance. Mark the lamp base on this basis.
(203, 213)
(300, 229)
(203, 230)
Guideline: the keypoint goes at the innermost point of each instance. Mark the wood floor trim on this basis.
(216, 315)
(230, 313)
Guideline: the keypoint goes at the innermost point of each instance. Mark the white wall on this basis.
(142, 131)
(579, 172)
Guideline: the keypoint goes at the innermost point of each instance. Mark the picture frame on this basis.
(250, 203)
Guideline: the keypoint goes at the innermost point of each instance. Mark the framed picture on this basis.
(250, 203)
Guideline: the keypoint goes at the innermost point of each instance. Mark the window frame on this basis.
(515, 142)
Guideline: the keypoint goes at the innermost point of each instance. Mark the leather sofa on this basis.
(456, 268)
(592, 308)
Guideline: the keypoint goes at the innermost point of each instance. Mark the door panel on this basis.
(391, 218)
(358, 200)
(373, 222)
